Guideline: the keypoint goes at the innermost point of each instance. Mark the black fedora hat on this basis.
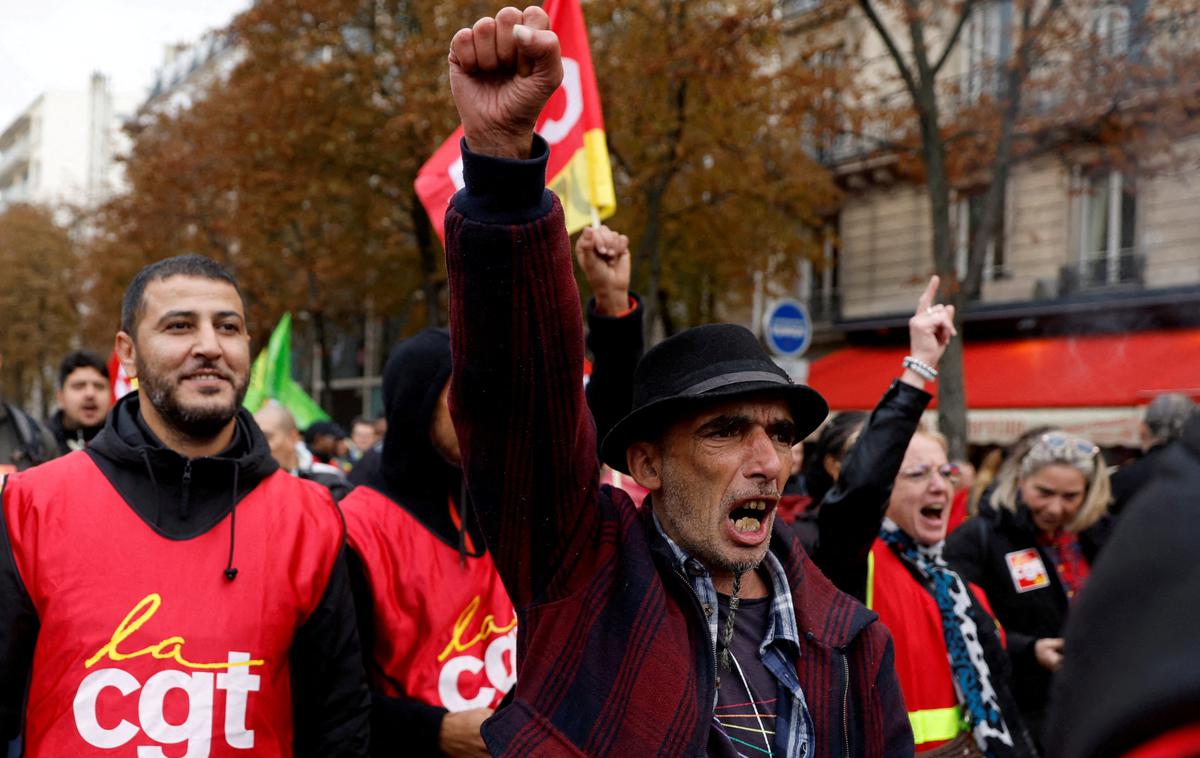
(700, 365)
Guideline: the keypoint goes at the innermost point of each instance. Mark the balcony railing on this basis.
(824, 306)
(1127, 269)
(14, 158)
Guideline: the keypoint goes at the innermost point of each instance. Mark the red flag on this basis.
(579, 171)
(119, 383)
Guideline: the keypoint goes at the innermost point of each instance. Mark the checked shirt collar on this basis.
(780, 647)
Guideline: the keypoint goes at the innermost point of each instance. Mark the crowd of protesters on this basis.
(513, 561)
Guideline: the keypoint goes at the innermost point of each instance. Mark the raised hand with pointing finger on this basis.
(503, 70)
(929, 331)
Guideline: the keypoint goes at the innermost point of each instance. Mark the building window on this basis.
(1110, 25)
(1108, 215)
(968, 215)
(796, 7)
(819, 281)
(986, 41)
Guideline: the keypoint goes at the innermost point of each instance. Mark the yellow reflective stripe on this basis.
(936, 724)
(871, 579)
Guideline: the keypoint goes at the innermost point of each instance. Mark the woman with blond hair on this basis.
(1032, 551)
(949, 653)
(882, 530)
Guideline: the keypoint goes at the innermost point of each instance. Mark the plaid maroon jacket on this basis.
(613, 653)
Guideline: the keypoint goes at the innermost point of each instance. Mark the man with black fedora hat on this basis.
(692, 626)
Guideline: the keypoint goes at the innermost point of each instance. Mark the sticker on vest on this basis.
(197, 684)
(1027, 570)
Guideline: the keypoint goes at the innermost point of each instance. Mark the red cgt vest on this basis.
(445, 633)
(922, 664)
(145, 649)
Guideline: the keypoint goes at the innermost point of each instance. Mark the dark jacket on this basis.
(184, 499)
(71, 439)
(613, 654)
(333, 480)
(1127, 480)
(852, 511)
(1131, 665)
(977, 550)
(414, 476)
(23, 441)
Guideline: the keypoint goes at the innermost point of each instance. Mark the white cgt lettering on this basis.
(448, 684)
(85, 708)
(500, 674)
(196, 729)
(237, 683)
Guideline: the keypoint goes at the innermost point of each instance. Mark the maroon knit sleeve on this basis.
(527, 439)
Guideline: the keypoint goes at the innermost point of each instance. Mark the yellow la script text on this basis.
(169, 649)
(487, 628)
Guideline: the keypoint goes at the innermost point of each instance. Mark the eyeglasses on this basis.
(1058, 443)
(922, 473)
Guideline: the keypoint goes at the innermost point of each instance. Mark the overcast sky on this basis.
(57, 44)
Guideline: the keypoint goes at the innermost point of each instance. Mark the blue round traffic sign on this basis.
(787, 328)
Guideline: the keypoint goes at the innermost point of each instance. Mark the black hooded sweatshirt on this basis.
(182, 499)
(412, 474)
(71, 439)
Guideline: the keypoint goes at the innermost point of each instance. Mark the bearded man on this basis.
(170, 584)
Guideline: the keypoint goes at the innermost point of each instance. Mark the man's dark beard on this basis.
(193, 423)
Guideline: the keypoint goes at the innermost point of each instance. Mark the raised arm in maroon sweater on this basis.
(527, 440)
(614, 654)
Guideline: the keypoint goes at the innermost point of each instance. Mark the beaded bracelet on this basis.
(921, 368)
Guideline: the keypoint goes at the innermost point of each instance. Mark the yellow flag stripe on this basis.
(585, 182)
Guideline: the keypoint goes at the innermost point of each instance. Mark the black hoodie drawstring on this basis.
(462, 524)
(150, 470)
(231, 572)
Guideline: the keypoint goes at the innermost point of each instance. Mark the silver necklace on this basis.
(753, 703)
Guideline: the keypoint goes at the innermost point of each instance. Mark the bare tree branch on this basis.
(868, 9)
(964, 16)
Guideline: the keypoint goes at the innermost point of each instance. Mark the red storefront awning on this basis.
(1092, 386)
(1103, 370)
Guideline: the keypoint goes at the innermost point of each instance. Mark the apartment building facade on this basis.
(1092, 278)
(62, 149)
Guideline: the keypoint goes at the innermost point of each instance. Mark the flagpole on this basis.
(595, 216)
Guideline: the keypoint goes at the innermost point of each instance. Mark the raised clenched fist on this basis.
(503, 70)
(603, 255)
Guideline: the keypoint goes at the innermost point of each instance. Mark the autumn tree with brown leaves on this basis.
(297, 171)
(706, 131)
(39, 297)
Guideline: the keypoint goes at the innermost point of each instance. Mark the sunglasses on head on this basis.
(1056, 441)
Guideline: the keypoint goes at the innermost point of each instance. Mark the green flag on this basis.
(271, 379)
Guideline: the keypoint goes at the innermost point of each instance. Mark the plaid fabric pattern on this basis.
(613, 654)
(780, 645)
